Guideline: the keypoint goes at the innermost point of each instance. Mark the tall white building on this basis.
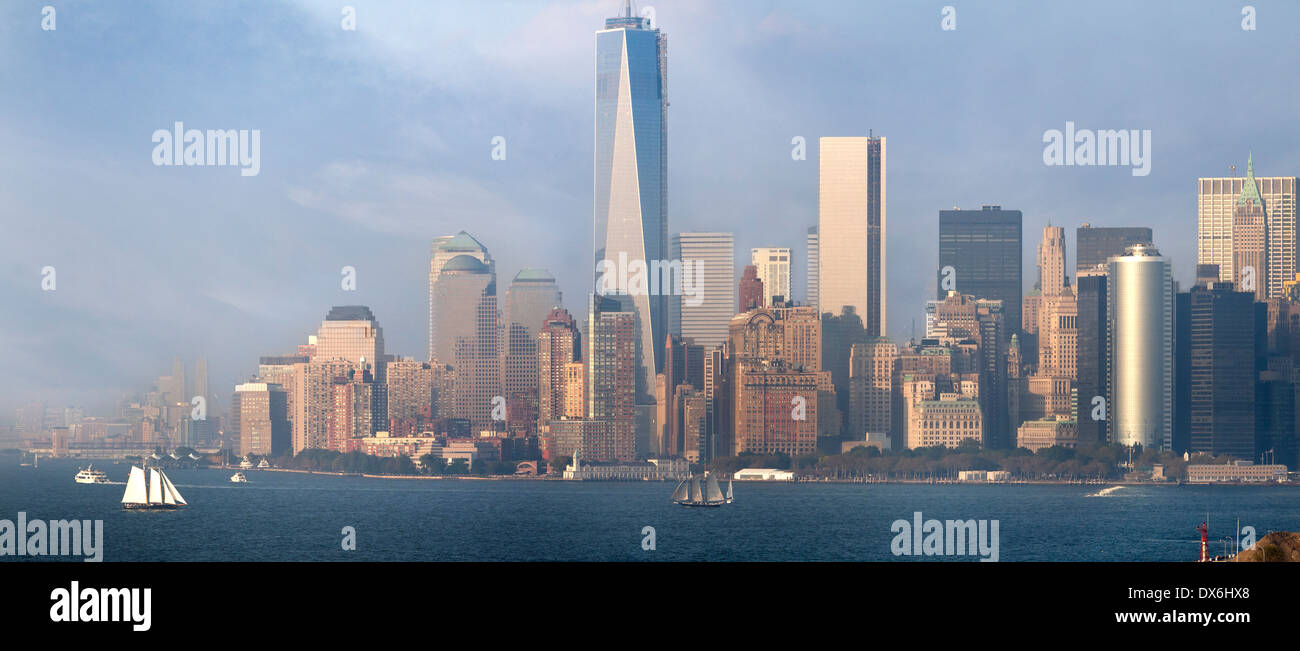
(774, 270)
(1139, 325)
(705, 316)
(851, 228)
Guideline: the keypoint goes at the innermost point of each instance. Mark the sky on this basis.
(375, 141)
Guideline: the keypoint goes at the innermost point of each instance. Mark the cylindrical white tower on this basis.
(1140, 341)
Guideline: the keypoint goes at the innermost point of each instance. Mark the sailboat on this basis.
(696, 491)
(157, 492)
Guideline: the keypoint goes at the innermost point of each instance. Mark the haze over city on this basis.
(376, 141)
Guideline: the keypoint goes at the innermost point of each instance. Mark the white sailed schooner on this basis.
(158, 492)
(694, 491)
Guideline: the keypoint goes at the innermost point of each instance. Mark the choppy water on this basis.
(295, 517)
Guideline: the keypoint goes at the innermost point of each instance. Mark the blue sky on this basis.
(375, 141)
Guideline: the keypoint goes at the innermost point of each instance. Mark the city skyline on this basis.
(130, 298)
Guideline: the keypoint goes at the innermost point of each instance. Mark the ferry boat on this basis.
(238, 478)
(696, 491)
(89, 475)
(155, 492)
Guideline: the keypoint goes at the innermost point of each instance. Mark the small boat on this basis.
(697, 491)
(154, 492)
(238, 478)
(245, 464)
(89, 475)
(263, 464)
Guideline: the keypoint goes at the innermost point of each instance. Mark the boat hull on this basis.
(152, 507)
(700, 505)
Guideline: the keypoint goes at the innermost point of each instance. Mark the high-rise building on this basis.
(262, 423)
(775, 383)
(704, 316)
(1095, 245)
(352, 410)
(467, 324)
(1092, 364)
(558, 346)
(443, 250)
(531, 297)
(1217, 202)
(851, 229)
(751, 290)
(773, 267)
(631, 171)
(814, 257)
(610, 363)
(1139, 333)
(352, 334)
(1221, 355)
(871, 376)
(980, 254)
(411, 389)
(1249, 239)
(1051, 261)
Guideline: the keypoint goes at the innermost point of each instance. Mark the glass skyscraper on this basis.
(983, 249)
(630, 194)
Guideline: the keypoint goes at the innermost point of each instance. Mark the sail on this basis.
(155, 487)
(695, 490)
(134, 493)
(679, 495)
(712, 492)
(173, 495)
(729, 498)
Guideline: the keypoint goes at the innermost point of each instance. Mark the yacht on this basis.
(263, 464)
(89, 475)
(245, 464)
(694, 491)
(238, 478)
(150, 490)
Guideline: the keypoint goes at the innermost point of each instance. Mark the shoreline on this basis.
(945, 482)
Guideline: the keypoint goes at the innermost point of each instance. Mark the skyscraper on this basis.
(467, 324)
(262, 425)
(531, 297)
(773, 266)
(351, 333)
(558, 346)
(980, 254)
(1139, 312)
(704, 316)
(1217, 200)
(1091, 362)
(631, 169)
(1096, 244)
(611, 391)
(750, 290)
(1250, 239)
(444, 249)
(851, 229)
(1221, 354)
(814, 257)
